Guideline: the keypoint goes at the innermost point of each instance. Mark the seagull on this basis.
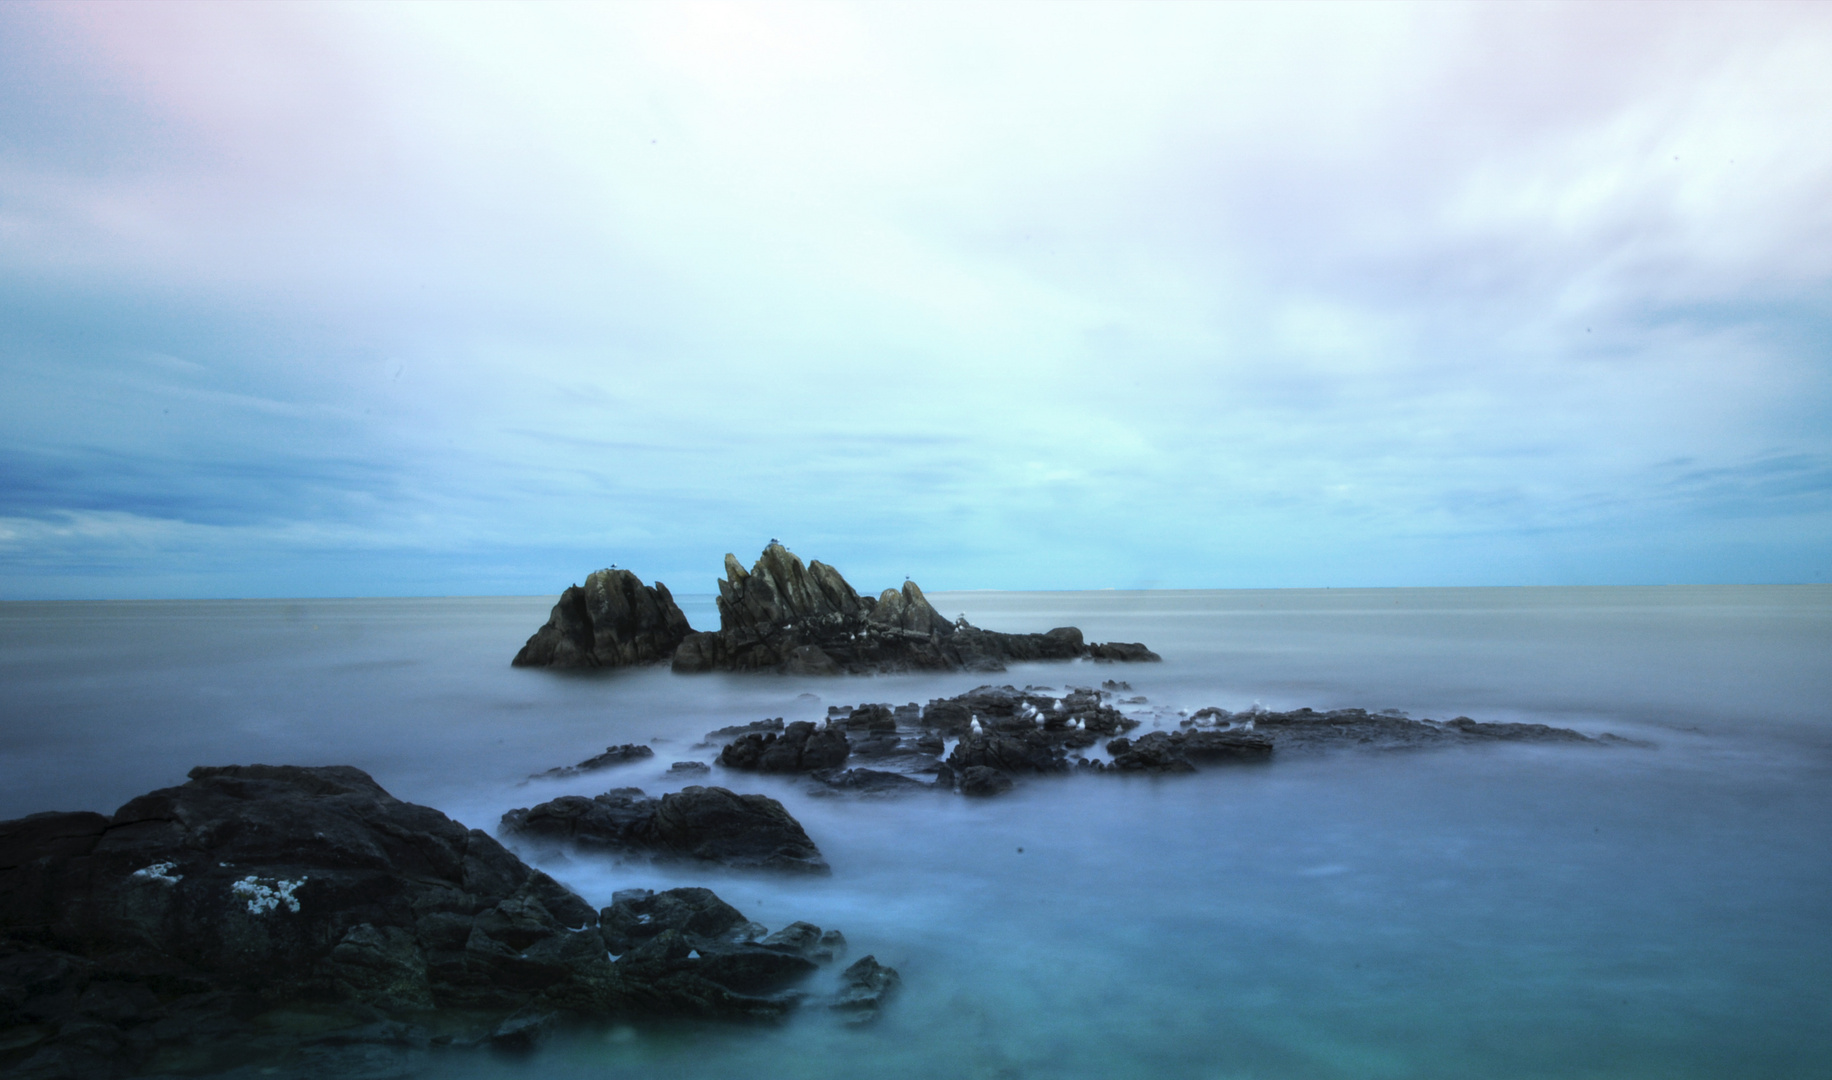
(976, 728)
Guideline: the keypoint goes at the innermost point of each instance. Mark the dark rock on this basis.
(708, 824)
(1009, 711)
(726, 734)
(1181, 751)
(1125, 652)
(692, 931)
(265, 912)
(636, 915)
(864, 989)
(1026, 752)
(194, 910)
(982, 781)
(801, 747)
(1151, 753)
(1516, 732)
(1308, 730)
(1219, 746)
(689, 768)
(739, 831)
(614, 620)
(612, 756)
(785, 616)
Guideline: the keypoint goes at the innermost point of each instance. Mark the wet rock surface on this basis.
(703, 824)
(277, 914)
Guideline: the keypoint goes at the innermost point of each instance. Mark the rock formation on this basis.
(614, 620)
(784, 616)
(260, 909)
(707, 824)
(627, 754)
(800, 748)
(1001, 735)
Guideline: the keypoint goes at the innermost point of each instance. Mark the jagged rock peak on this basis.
(613, 620)
(779, 589)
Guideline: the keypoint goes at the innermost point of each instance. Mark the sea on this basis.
(1660, 910)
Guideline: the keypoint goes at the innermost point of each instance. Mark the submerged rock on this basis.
(864, 989)
(1180, 751)
(869, 783)
(1308, 730)
(626, 754)
(614, 620)
(707, 824)
(214, 919)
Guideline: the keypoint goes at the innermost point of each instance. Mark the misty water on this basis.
(1515, 911)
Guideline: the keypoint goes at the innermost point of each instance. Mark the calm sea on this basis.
(1511, 912)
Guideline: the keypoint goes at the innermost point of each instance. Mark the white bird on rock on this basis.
(975, 727)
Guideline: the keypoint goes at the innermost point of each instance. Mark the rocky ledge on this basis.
(285, 915)
(985, 741)
(702, 824)
(782, 615)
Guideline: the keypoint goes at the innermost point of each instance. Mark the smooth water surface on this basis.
(1512, 912)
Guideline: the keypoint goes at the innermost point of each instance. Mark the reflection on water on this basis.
(1519, 912)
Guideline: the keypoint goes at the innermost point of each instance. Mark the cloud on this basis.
(1040, 297)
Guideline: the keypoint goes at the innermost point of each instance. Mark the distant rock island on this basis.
(786, 617)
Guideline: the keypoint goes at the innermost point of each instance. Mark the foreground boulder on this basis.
(258, 909)
(705, 824)
(613, 620)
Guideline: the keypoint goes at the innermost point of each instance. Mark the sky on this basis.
(420, 299)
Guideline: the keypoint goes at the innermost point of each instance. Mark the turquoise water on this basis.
(1509, 912)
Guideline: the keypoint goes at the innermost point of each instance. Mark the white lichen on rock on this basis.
(160, 871)
(263, 897)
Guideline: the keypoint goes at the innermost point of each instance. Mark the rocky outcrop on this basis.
(627, 754)
(864, 989)
(800, 748)
(257, 909)
(681, 940)
(704, 824)
(985, 741)
(613, 620)
(1181, 751)
(782, 615)
(1301, 730)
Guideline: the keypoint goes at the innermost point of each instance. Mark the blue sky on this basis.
(305, 300)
